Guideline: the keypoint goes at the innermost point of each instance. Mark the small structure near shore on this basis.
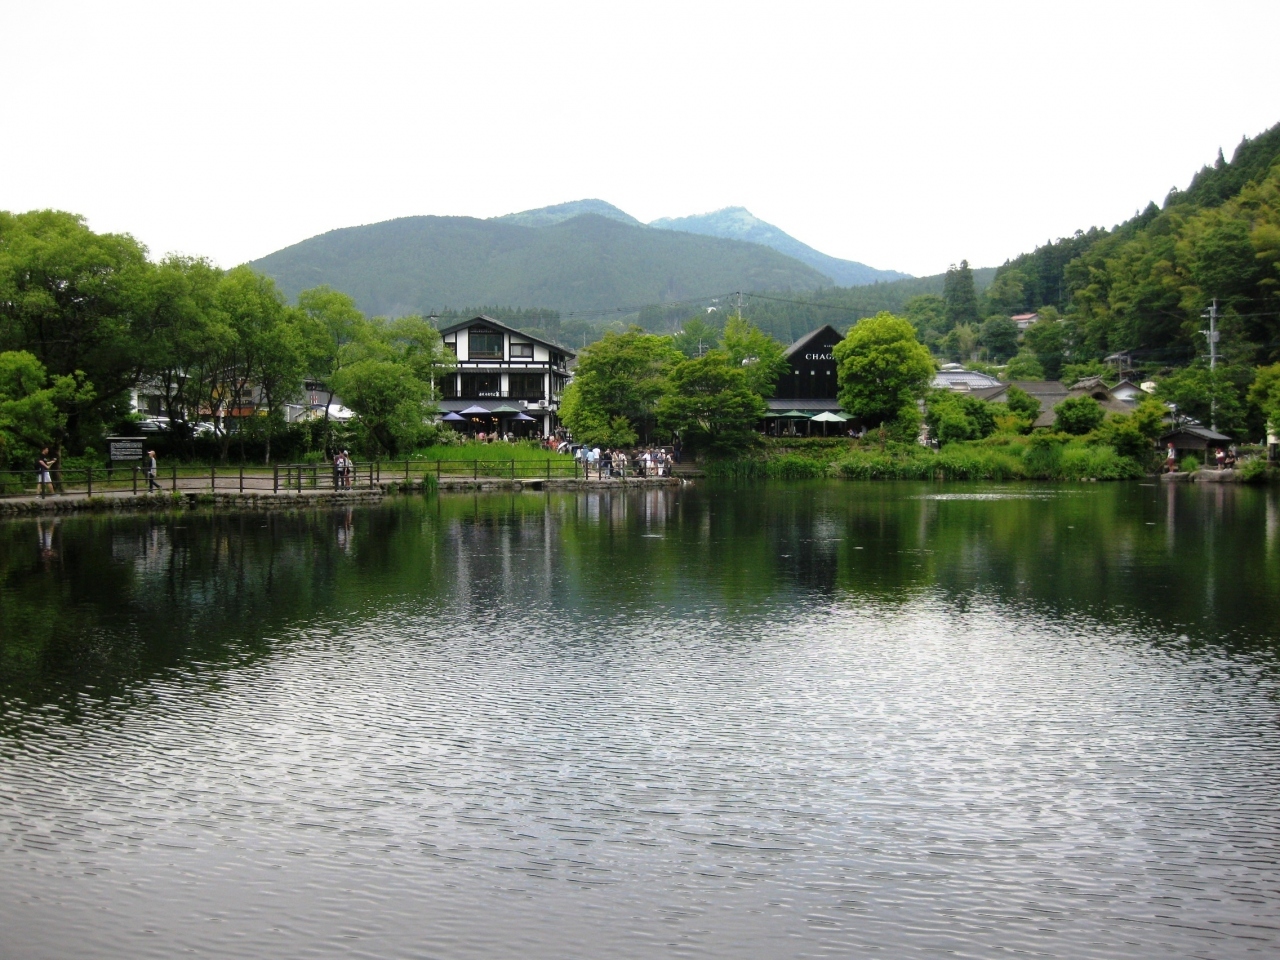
(1194, 439)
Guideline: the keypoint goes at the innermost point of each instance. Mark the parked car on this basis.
(155, 425)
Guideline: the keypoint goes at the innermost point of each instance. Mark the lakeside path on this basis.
(198, 494)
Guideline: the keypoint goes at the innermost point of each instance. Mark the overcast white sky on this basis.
(904, 135)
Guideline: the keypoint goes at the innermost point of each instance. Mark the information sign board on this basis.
(126, 449)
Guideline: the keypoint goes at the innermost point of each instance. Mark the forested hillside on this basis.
(586, 263)
(1141, 287)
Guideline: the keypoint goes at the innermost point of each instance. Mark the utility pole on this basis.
(1212, 334)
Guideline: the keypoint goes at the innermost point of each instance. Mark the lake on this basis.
(804, 720)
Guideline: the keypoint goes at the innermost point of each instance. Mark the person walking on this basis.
(1171, 459)
(44, 476)
(152, 467)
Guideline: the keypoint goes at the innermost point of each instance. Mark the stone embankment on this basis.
(1204, 475)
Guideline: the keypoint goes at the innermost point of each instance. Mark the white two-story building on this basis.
(506, 374)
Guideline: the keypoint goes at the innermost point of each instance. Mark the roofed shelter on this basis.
(1192, 438)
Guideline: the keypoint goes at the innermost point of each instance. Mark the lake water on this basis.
(827, 720)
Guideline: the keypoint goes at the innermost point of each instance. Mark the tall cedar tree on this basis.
(960, 296)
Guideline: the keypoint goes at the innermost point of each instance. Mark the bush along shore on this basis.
(1039, 456)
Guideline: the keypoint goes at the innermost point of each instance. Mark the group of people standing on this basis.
(654, 462)
(344, 470)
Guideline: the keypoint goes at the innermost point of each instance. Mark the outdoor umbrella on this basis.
(794, 415)
(504, 408)
(825, 417)
(523, 416)
(454, 418)
(475, 411)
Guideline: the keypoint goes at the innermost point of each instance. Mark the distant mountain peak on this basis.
(739, 223)
(560, 212)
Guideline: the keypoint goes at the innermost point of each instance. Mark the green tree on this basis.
(1209, 396)
(1022, 404)
(616, 386)
(251, 311)
(334, 322)
(952, 416)
(1264, 395)
(1024, 366)
(709, 402)
(760, 357)
(1007, 293)
(392, 403)
(960, 344)
(1078, 415)
(960, 296)
(999, 337)
(696, 337)
(184, 334)
(32, 405)
(881, 368)
(1047, 340)
(927, 311)
(78, 301)
(1134, 434)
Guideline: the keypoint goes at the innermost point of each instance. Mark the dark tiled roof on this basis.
(499, 325)
(781, 404)
(1204, 433)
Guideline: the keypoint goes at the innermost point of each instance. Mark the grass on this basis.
(472, 450)
(1000, 457)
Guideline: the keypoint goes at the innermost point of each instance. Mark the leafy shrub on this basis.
(1254, 470)
(1190, 463)
(1079, 415)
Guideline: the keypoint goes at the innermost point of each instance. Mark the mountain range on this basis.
(586, 256)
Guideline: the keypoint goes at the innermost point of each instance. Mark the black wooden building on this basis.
(810, 383)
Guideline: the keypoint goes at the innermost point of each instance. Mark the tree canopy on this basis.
(881, 368)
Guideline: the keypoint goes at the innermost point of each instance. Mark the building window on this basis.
(521, 351)
(449, 387)
(525, 386)
(484, 345)
(482, 385)
(451, 347)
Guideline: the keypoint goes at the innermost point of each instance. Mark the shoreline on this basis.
(13, 507)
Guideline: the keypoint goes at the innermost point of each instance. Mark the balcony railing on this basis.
(532, 397)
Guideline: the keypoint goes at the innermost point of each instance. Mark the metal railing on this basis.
(132, 479)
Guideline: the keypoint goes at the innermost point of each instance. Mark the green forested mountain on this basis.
(738, 223)
(585, 263)
(560, 212)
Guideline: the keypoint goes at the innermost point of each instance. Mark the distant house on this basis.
(1122, 398)
(507, 374)
(1024, 320)
(809, 385)
(953, 376)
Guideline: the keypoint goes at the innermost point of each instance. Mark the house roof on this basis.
(809, 337)
(499, 325)
(971, 379)
(1195, 430)
(1023, 316)
(775, 404)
